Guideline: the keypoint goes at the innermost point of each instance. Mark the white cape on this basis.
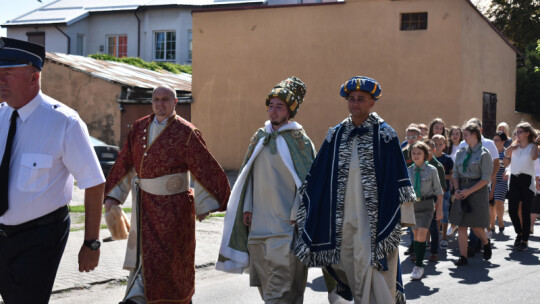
(238, 261)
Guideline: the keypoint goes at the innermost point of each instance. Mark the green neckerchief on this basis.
(417, 182)
(467, 157)
(270, 138)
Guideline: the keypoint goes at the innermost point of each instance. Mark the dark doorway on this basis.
(489, 114)
(133, 111)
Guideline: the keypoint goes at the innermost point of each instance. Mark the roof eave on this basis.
(494, 28)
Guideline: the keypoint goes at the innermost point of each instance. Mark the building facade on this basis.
(109, 96)
(154, 30)
(433, 59)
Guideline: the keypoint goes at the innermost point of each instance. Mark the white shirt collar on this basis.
(164, 122)
(29, 108)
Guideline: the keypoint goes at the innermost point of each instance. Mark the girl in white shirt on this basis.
(522, 154)
(455, 138)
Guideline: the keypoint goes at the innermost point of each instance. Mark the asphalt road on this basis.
(509, 277)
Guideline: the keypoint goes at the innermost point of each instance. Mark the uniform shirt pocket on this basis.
(426, 185)
(34, 172)
(475, 166)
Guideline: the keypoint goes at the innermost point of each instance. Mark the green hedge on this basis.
(138, 62)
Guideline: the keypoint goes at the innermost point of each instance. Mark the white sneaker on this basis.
(444, 244)
(417, 273)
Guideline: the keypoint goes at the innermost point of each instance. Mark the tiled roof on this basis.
(122, 73)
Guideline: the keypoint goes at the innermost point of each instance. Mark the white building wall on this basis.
(96, 27)
(54, 40)
(170, 19)
(100, 26)
(78, 28)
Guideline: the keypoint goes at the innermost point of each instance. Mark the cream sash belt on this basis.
(163, 185)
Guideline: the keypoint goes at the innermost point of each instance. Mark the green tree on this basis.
(519, 21)
(528, 82)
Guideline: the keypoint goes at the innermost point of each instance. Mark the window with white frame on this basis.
(165, 45)
(117, 45)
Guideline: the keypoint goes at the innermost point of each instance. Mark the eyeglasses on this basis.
(411, 137)
(519, 132)
(496, 139)
(360, 99)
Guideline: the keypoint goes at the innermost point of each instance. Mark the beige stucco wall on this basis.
(239, 55)
(94, 99)
(488, 65)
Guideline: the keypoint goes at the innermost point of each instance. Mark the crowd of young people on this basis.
(462, 181)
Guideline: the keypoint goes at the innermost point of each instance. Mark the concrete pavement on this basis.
(208, 236)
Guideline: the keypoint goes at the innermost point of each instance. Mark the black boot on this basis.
(462, 261)
(487, 251)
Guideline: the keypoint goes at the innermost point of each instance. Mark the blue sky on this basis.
(16, 8)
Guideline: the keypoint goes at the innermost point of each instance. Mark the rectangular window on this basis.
(413, 21)
(190, 47)
(165, 46)
(117, 45)
(36, 37)
(80, 45)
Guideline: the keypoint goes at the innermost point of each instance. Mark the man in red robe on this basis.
(154, 162)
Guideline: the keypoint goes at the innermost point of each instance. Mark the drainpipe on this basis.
(138, 32)
(68, 39)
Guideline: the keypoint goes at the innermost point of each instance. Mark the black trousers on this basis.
(519, 192)
(434, 232)
(29, 261)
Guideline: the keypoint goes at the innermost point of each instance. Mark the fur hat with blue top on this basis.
(361, 83)
(17, 53)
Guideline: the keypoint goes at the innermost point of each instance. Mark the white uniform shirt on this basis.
(486, 143)
(51, 146)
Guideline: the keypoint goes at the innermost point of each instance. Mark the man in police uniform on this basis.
(43, 146)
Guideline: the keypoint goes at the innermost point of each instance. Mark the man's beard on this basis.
(277, 123)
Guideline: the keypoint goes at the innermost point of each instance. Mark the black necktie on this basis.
(4, 167)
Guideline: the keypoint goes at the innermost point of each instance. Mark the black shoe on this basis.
(501, 229)
(478, 246)
(470, 251)
(487, 251)
(409, 250)
(517, 242)
(462, 261)
(523, 246)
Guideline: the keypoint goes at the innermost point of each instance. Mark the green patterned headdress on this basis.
(291, 91)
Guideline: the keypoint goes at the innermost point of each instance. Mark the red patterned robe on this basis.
(167, 222)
